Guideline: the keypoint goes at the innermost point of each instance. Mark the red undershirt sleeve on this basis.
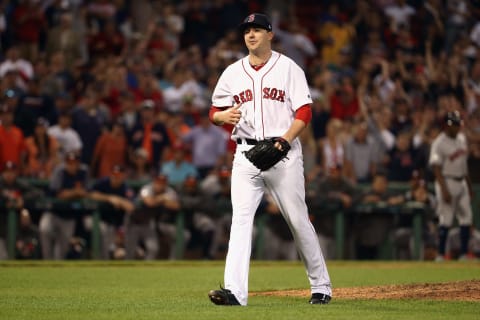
(212, 111)
(304, 113)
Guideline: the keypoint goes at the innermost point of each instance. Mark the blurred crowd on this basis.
(95, 95)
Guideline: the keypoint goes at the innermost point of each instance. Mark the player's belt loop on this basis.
(247, 141)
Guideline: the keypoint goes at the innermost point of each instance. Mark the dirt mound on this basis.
(459, 290)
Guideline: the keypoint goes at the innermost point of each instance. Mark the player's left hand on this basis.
(280, 146)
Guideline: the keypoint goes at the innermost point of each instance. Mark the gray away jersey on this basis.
(450, 154)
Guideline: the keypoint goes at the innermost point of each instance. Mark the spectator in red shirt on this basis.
(156, 38)
(344, 102)
(29, 20)
(116, 90)
(149, 89)
(107, 42)
(110, 150)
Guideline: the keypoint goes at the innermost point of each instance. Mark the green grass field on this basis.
(178, 290)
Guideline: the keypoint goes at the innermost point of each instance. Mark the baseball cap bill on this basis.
(257, 20)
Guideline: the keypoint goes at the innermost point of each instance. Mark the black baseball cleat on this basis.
(223, 297)
(320, 298)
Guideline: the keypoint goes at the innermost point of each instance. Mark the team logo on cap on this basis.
(251, 18)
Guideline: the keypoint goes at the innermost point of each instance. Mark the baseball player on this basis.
(68, 184)
(265, 95)
(453, 189)
(115, 199)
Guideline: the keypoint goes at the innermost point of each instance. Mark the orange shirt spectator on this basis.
(111, 149)
(176, 128)
(150, 135)
(42, 152)
(12, 142)
(107, 42)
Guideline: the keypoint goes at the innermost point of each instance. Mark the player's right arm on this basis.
(222, 112)
(437, 171)
(435, 161)
(228, 115)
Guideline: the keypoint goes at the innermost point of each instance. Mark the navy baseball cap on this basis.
(453, 118)
(257, 20)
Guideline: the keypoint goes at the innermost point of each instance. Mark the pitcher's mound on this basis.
(460, 290)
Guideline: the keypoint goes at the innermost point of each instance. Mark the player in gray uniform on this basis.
(453, 189)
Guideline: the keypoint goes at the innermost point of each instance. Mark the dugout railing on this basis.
(417, 212)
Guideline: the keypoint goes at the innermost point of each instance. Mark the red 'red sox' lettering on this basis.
(274, 94)
(457, 153)
(243, 97)
(268, 93)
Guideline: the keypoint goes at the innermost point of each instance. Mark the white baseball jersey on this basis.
(280, 84)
